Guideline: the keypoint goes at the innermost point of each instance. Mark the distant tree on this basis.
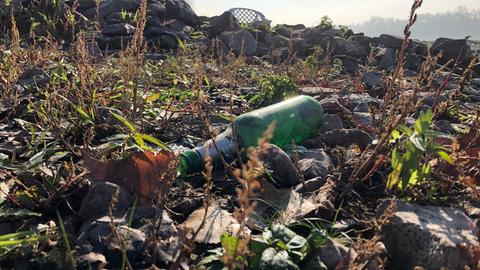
(459, 23)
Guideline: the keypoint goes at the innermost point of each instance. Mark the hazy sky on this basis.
(344, 12)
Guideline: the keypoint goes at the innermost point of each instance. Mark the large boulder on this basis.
(241, 42)
(395, 42)
(451, 49)
(100, 197)
(156, 9)
(108, 7)
(181, 10)
(280, 166)
(224, 22)
(118, 29)
(427, 236)
(349, 48)
(287, 30)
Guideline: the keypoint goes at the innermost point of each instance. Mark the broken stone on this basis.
(362, 107)
(118, 29)
(451, 50)
(428, 236)
(280, 166)
(372, 79)
(314, 163)
(217, 222)
(364, 118)
(283, 205)
(99, 198)
(224, 22)
(331, 254)
(332, 122)
(345, 137)
(99, 237)
(241, 42)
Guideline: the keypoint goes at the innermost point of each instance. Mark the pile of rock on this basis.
(166, 21)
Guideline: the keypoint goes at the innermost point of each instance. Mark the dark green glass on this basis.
(296, 119)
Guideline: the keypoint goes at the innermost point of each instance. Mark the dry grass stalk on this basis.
(247, 175)
(390, 121)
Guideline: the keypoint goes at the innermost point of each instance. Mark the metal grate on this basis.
(248, 16)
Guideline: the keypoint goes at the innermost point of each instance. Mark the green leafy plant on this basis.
(326, 23)
(273, 88)
(413, 145)
(277, 247)
(140, 138)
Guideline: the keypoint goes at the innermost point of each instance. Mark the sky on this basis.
(343, 12)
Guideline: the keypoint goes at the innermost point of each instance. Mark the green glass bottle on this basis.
(296, 119)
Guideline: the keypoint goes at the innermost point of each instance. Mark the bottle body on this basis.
(296, 119)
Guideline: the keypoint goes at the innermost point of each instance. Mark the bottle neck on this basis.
(223, 144)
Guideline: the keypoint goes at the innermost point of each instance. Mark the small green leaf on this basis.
(394, 136)
(125, 122)
(154, 141)
(419, 142)
(153, 97)
(276, 260)
(229, 243)
(316, 238)
(445, 156)
(405, 130)
(137, 137)
(396, 159)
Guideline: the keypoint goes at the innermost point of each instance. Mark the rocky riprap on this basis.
(168, 21)
(418, 234)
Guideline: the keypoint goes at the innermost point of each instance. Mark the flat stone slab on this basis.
(427, 236)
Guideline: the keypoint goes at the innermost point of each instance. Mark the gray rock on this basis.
(310, 185)
(355, 99)
(298, 47)
(334, 105)
(428, 98)
(314, 163)
(86, 4)
(145, 217)
(349, 48)
(91, 260)
(181, 10)
(113, 43)
(34, 77)
(427, 236)
(224, 22)
(93, 51)
(281, 166)
(108, 7)
(476, 82)
(118, 29)
(241, 42)
(346, 137)
(331, 254)
(332, 122)
(407, 73)
(361, 107)
(97, 237)
(451, 49)
(350, 64)
(364, 118)
(372, 79)
(98, 199)
(287, 30)
(156, 9)
(278, 41)
(387, 57)
(444, 126)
